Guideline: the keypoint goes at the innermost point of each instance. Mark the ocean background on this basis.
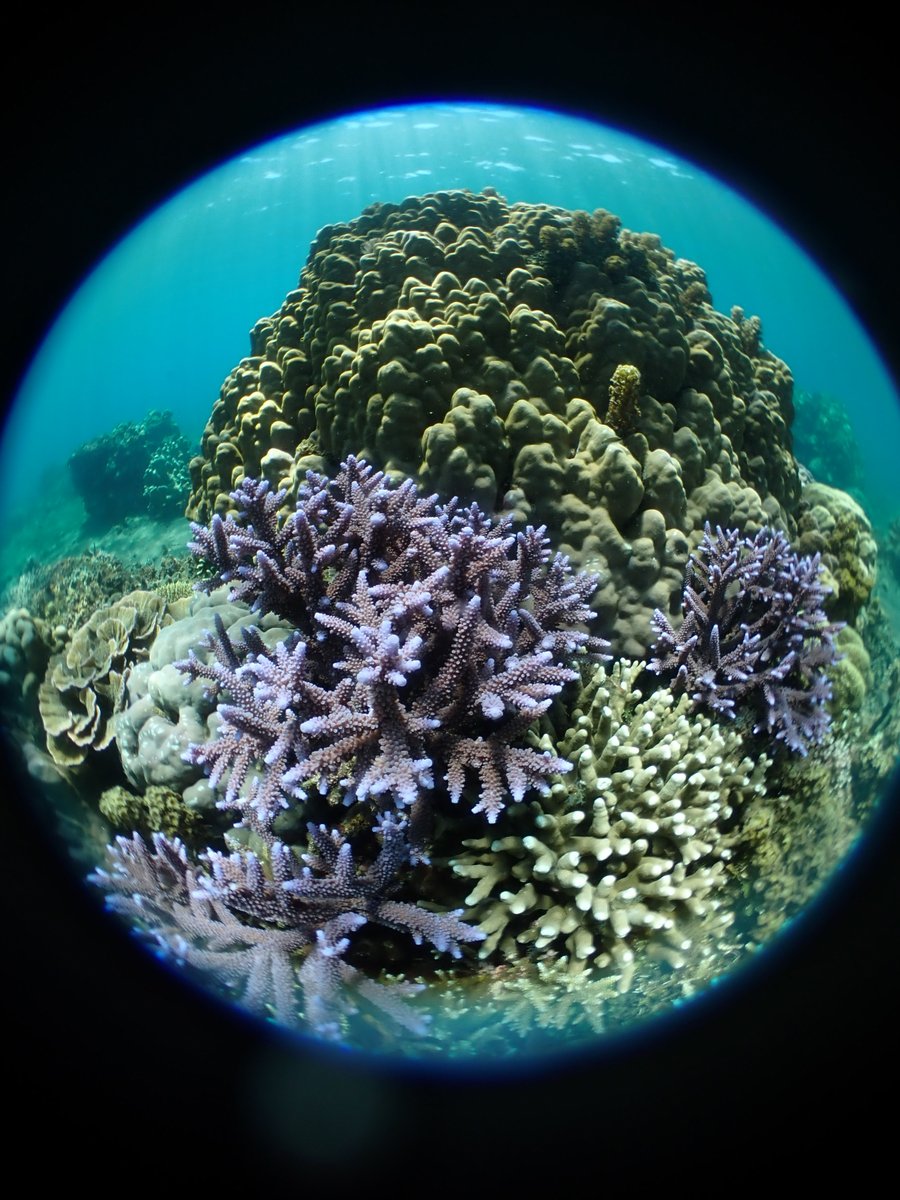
(165, 316)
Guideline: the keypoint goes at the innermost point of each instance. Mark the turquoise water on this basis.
(164, 318)
(166, 315)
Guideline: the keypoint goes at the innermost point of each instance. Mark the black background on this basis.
(122, 1075)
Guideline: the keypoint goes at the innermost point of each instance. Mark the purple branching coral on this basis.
(244, 916)
(754, 631)
(428, 640)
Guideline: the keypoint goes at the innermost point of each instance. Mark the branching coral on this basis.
(429, 640)
(754, 632)
(632, 849)
(261, 921)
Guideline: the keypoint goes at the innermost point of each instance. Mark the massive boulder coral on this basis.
(470, 344)
(631, 848)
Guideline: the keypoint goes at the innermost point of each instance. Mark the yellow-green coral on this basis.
(624, 409)
(832, 524)
(158, 809)
(470, 344)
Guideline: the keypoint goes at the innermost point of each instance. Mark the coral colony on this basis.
(428, 641)
(754, 631)
(385, 733)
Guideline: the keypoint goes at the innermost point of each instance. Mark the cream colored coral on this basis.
(630, 849)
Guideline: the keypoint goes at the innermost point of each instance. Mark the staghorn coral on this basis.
(429, 639)
(632, 850)
(754, 633)
(469, 344)
(262, 921)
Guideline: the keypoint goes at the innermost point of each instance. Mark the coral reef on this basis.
(426, 642)
(381, 705)
(754, 633)
(470, 344)
(631, 850)
(63, 594)
(139, 467)
(815, 808)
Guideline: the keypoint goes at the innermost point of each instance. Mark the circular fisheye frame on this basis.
(503, 656)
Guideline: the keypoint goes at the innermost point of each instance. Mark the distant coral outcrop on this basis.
(136, 468)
